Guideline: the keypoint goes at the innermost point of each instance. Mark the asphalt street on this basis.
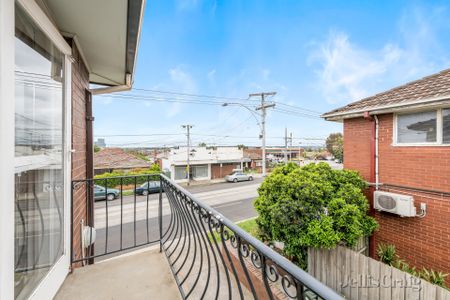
(233, 200)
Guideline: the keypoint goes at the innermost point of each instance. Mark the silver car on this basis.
(238, 176)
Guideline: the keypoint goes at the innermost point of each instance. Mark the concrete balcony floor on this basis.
(143, 274)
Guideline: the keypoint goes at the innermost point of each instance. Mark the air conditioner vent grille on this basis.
(387, 202)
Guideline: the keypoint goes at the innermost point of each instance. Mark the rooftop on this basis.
(429, 89)
(117, 158)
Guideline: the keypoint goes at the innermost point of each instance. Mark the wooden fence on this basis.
(359, 277)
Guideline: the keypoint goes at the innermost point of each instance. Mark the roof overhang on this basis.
(106, 32)
(393, 108)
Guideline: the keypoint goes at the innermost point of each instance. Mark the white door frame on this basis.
(7, 132)
(50, 284)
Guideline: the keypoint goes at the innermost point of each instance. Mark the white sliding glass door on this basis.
(41, 254)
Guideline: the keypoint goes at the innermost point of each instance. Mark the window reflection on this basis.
(39, 179)
(417, 127)
(446, 126)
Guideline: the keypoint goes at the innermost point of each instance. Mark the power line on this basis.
(288, 108)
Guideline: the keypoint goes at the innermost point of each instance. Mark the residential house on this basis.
(278, 153)
(110, 159)
(254, 154)
(50, 53)
(399, 141)
(206, 163)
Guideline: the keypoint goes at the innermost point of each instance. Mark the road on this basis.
(233, 200)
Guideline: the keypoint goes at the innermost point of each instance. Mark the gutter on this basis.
(113, 89)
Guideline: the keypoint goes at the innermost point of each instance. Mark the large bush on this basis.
(113, 179)
(313, 206)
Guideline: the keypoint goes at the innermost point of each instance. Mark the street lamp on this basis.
(262, 136)
(254, 114)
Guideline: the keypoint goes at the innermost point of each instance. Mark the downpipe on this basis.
(374, 171)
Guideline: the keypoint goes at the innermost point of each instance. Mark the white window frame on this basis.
(439, 129)
(55, 277)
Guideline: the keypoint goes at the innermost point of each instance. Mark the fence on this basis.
(357, 276)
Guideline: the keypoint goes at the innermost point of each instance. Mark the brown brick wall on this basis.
(80, 82)
(421, 242)
(221, 172)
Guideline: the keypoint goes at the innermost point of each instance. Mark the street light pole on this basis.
(263, 108)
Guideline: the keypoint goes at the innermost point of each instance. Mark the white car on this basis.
(238, 176)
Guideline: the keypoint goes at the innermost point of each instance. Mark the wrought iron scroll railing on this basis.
(212, 258)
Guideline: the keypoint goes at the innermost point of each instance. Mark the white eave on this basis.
(404, 106)
(106, 31)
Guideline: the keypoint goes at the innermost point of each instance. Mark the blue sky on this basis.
(316, 55)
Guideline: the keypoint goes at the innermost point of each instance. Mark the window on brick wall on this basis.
(431, 127)
(446, 126)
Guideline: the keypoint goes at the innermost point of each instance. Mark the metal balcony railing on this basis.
(210, 257)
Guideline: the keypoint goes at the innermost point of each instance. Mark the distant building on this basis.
(110, 159)
(101, 143)
(206, 163)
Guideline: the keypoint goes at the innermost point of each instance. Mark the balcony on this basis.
(175, 247)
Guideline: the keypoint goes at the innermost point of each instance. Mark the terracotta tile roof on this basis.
(117, 158)
(430, 87)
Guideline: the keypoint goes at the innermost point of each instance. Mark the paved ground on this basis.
(233, 200)
(144, 275)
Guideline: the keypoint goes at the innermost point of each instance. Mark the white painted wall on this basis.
(203, 155)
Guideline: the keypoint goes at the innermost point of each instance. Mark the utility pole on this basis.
(263, 108)
(188, 171)
(290, 147)
(285, 146)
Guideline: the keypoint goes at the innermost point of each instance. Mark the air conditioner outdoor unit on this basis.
(401, 205)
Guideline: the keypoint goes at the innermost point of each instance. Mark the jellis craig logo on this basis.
(368, 281)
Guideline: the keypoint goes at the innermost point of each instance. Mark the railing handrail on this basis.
(306, 279)
(115, 177)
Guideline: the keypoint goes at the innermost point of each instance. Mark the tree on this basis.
(335, 145)
(312, 206)
(97, 148)
(241, 146)
(202, 144)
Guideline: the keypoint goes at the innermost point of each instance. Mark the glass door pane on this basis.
(39, 178)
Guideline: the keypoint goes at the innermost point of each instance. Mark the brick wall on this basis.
(221, 172)
(421, 242)
(80, 82)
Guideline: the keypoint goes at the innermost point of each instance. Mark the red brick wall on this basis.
(218, 172)
(421, 242)
(80, 82)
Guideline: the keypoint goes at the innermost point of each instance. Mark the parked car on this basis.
(101, 193)
(148, 188)
(238, 176)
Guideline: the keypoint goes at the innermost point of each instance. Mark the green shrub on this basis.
(112, 179)
(387, 254)
(434, 277)
(313, 206)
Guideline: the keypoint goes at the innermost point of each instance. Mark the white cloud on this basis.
(265, 73)
(187, 4)
(347, 71)
(212, 76)
(182, 81)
